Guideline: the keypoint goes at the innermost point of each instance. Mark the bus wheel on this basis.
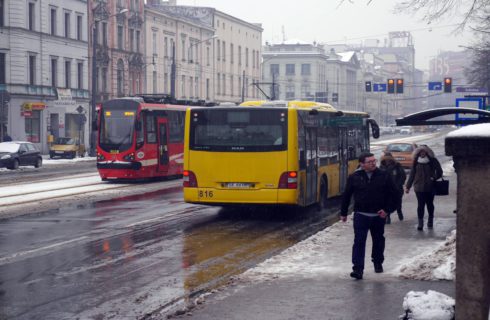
(322, 202)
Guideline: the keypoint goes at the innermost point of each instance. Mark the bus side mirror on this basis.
(374, 128)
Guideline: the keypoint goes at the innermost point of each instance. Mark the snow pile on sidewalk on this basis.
(432, 305)
(438, 264)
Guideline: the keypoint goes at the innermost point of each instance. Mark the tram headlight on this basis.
(100, 157)
(129, 157)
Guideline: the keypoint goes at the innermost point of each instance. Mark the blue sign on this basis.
(435, 86)
(471, 90)
(474, 103)
(379, 87)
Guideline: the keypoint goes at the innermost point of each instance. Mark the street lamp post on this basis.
(93, 112)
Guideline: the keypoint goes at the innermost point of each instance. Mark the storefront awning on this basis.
(29, 106)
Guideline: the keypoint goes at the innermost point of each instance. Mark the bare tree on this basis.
(478, 73)
(466, 11)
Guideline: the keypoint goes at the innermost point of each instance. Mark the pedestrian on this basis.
(374, 195)
(397, 173)
(425, 170)
(6, 137)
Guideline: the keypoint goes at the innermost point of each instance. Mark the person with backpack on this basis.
(397, 173)
(425, 170)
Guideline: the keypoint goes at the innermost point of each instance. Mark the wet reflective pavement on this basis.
(129, 257)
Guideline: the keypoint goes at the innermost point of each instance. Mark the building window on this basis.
(79, 27)
(31, 16)
(207, 56)
(224, 50)
(165, 47)
(232, 89)
(53, 21)
(191, 87)
(80, 75)
(120, 78)
(290, 70)
(67, 74)
(183, 49)
(218, 86)
(104, 80)
(274, 69)
(67, 24)
(224, 84)
(218, 51)
(154, 42)
(253, 58)
(3, 68)
(120, 37)
(2, 12)
(290, 94)
(54, 72)
(240, 87)
(246, 57)
(32, 69)
(33, 126)
(154, 82)
(239, 55)
(104, 34)
(231, 53)
(138, 40)
(257, 59)
(207, 88)
(305, 69)
(165, 82)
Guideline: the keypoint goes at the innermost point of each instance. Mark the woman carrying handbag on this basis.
(425, 170)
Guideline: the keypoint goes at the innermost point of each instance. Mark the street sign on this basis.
(470, 90)
(435, 86)
(379, 87)
(475, 103)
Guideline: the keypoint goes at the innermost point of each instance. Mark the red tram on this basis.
(140, 138)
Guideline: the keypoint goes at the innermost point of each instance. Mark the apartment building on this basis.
(43, 67)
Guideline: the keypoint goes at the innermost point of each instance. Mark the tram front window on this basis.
(117, 129)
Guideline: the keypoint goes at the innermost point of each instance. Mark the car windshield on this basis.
(400, 147)
(65, 141)
(9, 147)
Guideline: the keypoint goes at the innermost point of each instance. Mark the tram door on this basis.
(344, 162)
(162, 145)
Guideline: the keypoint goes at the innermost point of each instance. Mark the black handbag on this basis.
(441, 187)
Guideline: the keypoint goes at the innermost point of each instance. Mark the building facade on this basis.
(217, 56)
(295, 70)
(44, 68)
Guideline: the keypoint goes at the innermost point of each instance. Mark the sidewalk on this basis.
(311, 279)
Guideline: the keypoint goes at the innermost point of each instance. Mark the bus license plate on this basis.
(238, 185)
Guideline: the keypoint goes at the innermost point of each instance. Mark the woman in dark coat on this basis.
(425, 170)
(397, 173)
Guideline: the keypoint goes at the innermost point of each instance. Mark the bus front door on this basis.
(311, 166)
(162, 146)
(344, 162)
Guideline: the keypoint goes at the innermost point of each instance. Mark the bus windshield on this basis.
(239, 130)
(117, 128)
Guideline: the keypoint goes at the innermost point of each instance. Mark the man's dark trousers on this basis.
(363, 224)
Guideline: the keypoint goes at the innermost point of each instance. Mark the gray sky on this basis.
(325, 21)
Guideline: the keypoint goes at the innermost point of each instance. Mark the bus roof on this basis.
(298, 104)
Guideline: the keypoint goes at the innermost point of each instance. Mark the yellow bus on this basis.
(271, 153)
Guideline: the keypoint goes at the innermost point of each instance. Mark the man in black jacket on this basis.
(374, 196)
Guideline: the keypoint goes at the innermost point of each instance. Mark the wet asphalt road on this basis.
(128, 257)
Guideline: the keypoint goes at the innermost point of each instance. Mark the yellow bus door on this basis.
(343, 159)
(311, 165)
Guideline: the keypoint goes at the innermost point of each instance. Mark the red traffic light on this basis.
(448, 82)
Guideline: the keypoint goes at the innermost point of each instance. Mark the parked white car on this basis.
(406, 130)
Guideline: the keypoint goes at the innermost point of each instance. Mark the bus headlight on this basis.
(129, 157)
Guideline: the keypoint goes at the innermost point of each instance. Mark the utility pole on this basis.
(172, 73)
(93, 112)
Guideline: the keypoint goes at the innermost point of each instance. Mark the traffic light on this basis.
(391, 86)
(369, 86)
(399, 85)
(448, 83)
